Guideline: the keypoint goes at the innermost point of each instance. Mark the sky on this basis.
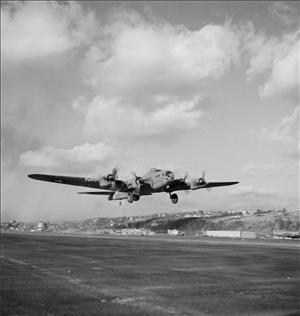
(187, 86)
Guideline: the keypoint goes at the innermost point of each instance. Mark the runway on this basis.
(44, 274)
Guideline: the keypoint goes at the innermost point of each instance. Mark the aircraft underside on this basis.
(154, 181)
(133, 197)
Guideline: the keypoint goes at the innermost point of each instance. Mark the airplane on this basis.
(154, 181)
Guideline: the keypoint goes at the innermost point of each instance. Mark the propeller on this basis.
(184, 180)
(113, 175)
(138, 180)
(202, 179)
(185, 176)
(114, 172)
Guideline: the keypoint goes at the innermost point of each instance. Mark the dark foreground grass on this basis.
(56, 275)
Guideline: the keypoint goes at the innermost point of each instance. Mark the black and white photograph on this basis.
(150, 158)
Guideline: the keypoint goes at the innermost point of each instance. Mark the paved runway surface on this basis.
(60, 275)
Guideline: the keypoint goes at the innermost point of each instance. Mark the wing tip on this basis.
(233, 183)
(32, 176)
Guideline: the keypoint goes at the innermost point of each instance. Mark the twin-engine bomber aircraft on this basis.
(154, 181)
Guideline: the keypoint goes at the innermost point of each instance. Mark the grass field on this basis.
(61, 275)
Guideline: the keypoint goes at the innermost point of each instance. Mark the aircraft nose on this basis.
(169, 175)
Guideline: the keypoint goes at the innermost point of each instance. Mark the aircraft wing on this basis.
(98, 192)
(180, 184)
(218, 184)
(177, 184)
(79, 181)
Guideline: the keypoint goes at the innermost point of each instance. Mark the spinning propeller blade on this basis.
(185, 176)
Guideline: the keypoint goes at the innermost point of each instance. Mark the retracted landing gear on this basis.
(174, 198)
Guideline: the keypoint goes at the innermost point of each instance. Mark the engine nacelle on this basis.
(111, 176)
(197, 183)
(103, 182)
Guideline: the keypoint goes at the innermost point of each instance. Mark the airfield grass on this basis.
(55, 275)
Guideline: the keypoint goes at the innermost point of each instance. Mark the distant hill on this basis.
(264, 223)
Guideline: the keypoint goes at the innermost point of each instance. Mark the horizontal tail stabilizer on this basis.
(97, 192)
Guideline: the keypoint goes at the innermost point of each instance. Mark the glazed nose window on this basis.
(169, 175)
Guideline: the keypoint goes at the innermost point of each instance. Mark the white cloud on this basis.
(285, 74)
(147, 76)
(286, 132)
(252, 192)
(83, 157)
(264, 51)
(285, 11)
(111, 118)
(135, 56)
(36, 29)
(277, 57)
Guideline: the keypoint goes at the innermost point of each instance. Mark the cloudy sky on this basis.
(187, 86)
